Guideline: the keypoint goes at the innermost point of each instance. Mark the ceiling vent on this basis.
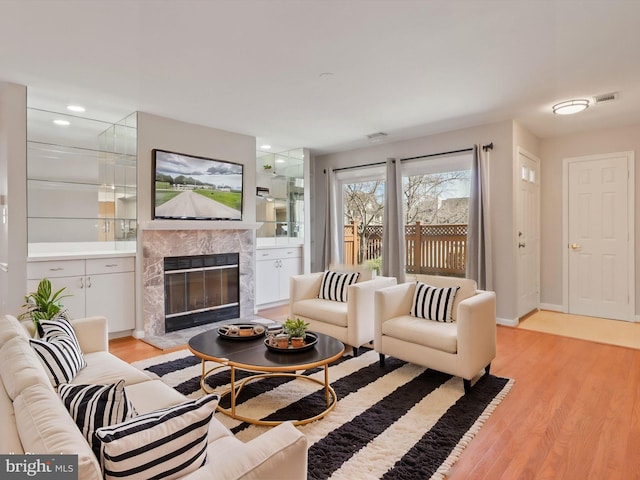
(376, 137)
(605, 97)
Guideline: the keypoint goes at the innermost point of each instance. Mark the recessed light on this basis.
(62, 123)
(75, 108)
(570, 106)
(280, 160)
(265, 147)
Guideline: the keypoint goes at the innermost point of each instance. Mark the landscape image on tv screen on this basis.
(198, 188)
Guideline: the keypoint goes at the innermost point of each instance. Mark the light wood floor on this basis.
(573, 413)
(601, 330)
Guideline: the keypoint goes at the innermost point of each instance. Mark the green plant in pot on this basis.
(297, 331)
(43, 304)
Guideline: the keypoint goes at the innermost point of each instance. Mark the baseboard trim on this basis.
(138, 334)
(552, 307)
(508, 322)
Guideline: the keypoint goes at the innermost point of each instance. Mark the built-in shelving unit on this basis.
(81, 180)
(82, 213)
(280, 197)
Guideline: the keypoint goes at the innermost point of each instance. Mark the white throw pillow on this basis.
(433, 303)
(335, 285)
(167, 443)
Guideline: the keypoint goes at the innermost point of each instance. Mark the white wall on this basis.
(501, 194)
(552, 152)
(13, 181)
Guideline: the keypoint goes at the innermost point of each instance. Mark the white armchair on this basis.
(462, 348)
(351, 322)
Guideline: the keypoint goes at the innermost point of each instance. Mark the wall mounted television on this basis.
(188, 187)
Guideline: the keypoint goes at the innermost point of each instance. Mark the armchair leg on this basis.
(356, 350)
(382, 359)
(467, 385)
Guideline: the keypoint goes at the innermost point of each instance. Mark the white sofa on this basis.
(34, 419)
(463, 347)
(351, 322)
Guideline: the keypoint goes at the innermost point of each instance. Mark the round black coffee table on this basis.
(254, 356)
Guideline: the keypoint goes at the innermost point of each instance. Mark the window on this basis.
(363, 193)
(436, 211)
(435, 197)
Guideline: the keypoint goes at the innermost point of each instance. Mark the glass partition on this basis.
(280, 197)
(81, 182)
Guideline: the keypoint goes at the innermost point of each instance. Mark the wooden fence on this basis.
(430, 249)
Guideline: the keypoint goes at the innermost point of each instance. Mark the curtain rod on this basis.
(487, 147)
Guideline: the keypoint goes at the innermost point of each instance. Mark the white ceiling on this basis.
(407, 68)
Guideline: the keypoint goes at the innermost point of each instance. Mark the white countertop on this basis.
(40, 252)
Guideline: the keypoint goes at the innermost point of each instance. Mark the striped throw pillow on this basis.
(168, 443)
(59, 351)
(433, 303)
(334, 285)
(59, 327)
(95, 406)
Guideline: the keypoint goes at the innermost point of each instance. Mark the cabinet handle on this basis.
(88, 282)
(57, 269)
(81, 283)
(110, 265)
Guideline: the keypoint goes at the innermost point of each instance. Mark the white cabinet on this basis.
(274, 267)
(96, 286)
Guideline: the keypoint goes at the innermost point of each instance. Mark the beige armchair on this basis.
(351, 322)
(462, 348)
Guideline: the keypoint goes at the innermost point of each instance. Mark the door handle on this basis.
(521, 245)
(575, 246)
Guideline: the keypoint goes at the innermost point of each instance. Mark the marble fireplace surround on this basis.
(157, 244)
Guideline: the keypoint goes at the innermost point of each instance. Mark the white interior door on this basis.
(600, 232)
(528, 225)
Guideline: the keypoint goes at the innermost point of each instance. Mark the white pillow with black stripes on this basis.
(96, 406)
(335, 285)
(59, 351)
(168, 443)
(433, 303)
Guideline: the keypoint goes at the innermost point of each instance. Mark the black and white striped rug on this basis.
(398, 422)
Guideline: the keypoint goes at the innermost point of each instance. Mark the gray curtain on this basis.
(332, 234)
(479, 258)
(393, 243)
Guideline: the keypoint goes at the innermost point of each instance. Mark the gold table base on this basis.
(236, 387)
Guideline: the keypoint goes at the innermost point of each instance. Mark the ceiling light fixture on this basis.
(265, 147)
(62, 123)
(571, 106)
(75, 108)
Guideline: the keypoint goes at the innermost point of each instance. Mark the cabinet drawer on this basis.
(97, 266)
(52, 269)
(274, 253)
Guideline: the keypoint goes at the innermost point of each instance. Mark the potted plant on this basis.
(267, 166)
(43, 304)
(297, 331)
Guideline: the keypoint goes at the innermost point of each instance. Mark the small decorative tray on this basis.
(242, 331)
(310, 341)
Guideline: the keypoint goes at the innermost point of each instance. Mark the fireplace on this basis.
(200, 289)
